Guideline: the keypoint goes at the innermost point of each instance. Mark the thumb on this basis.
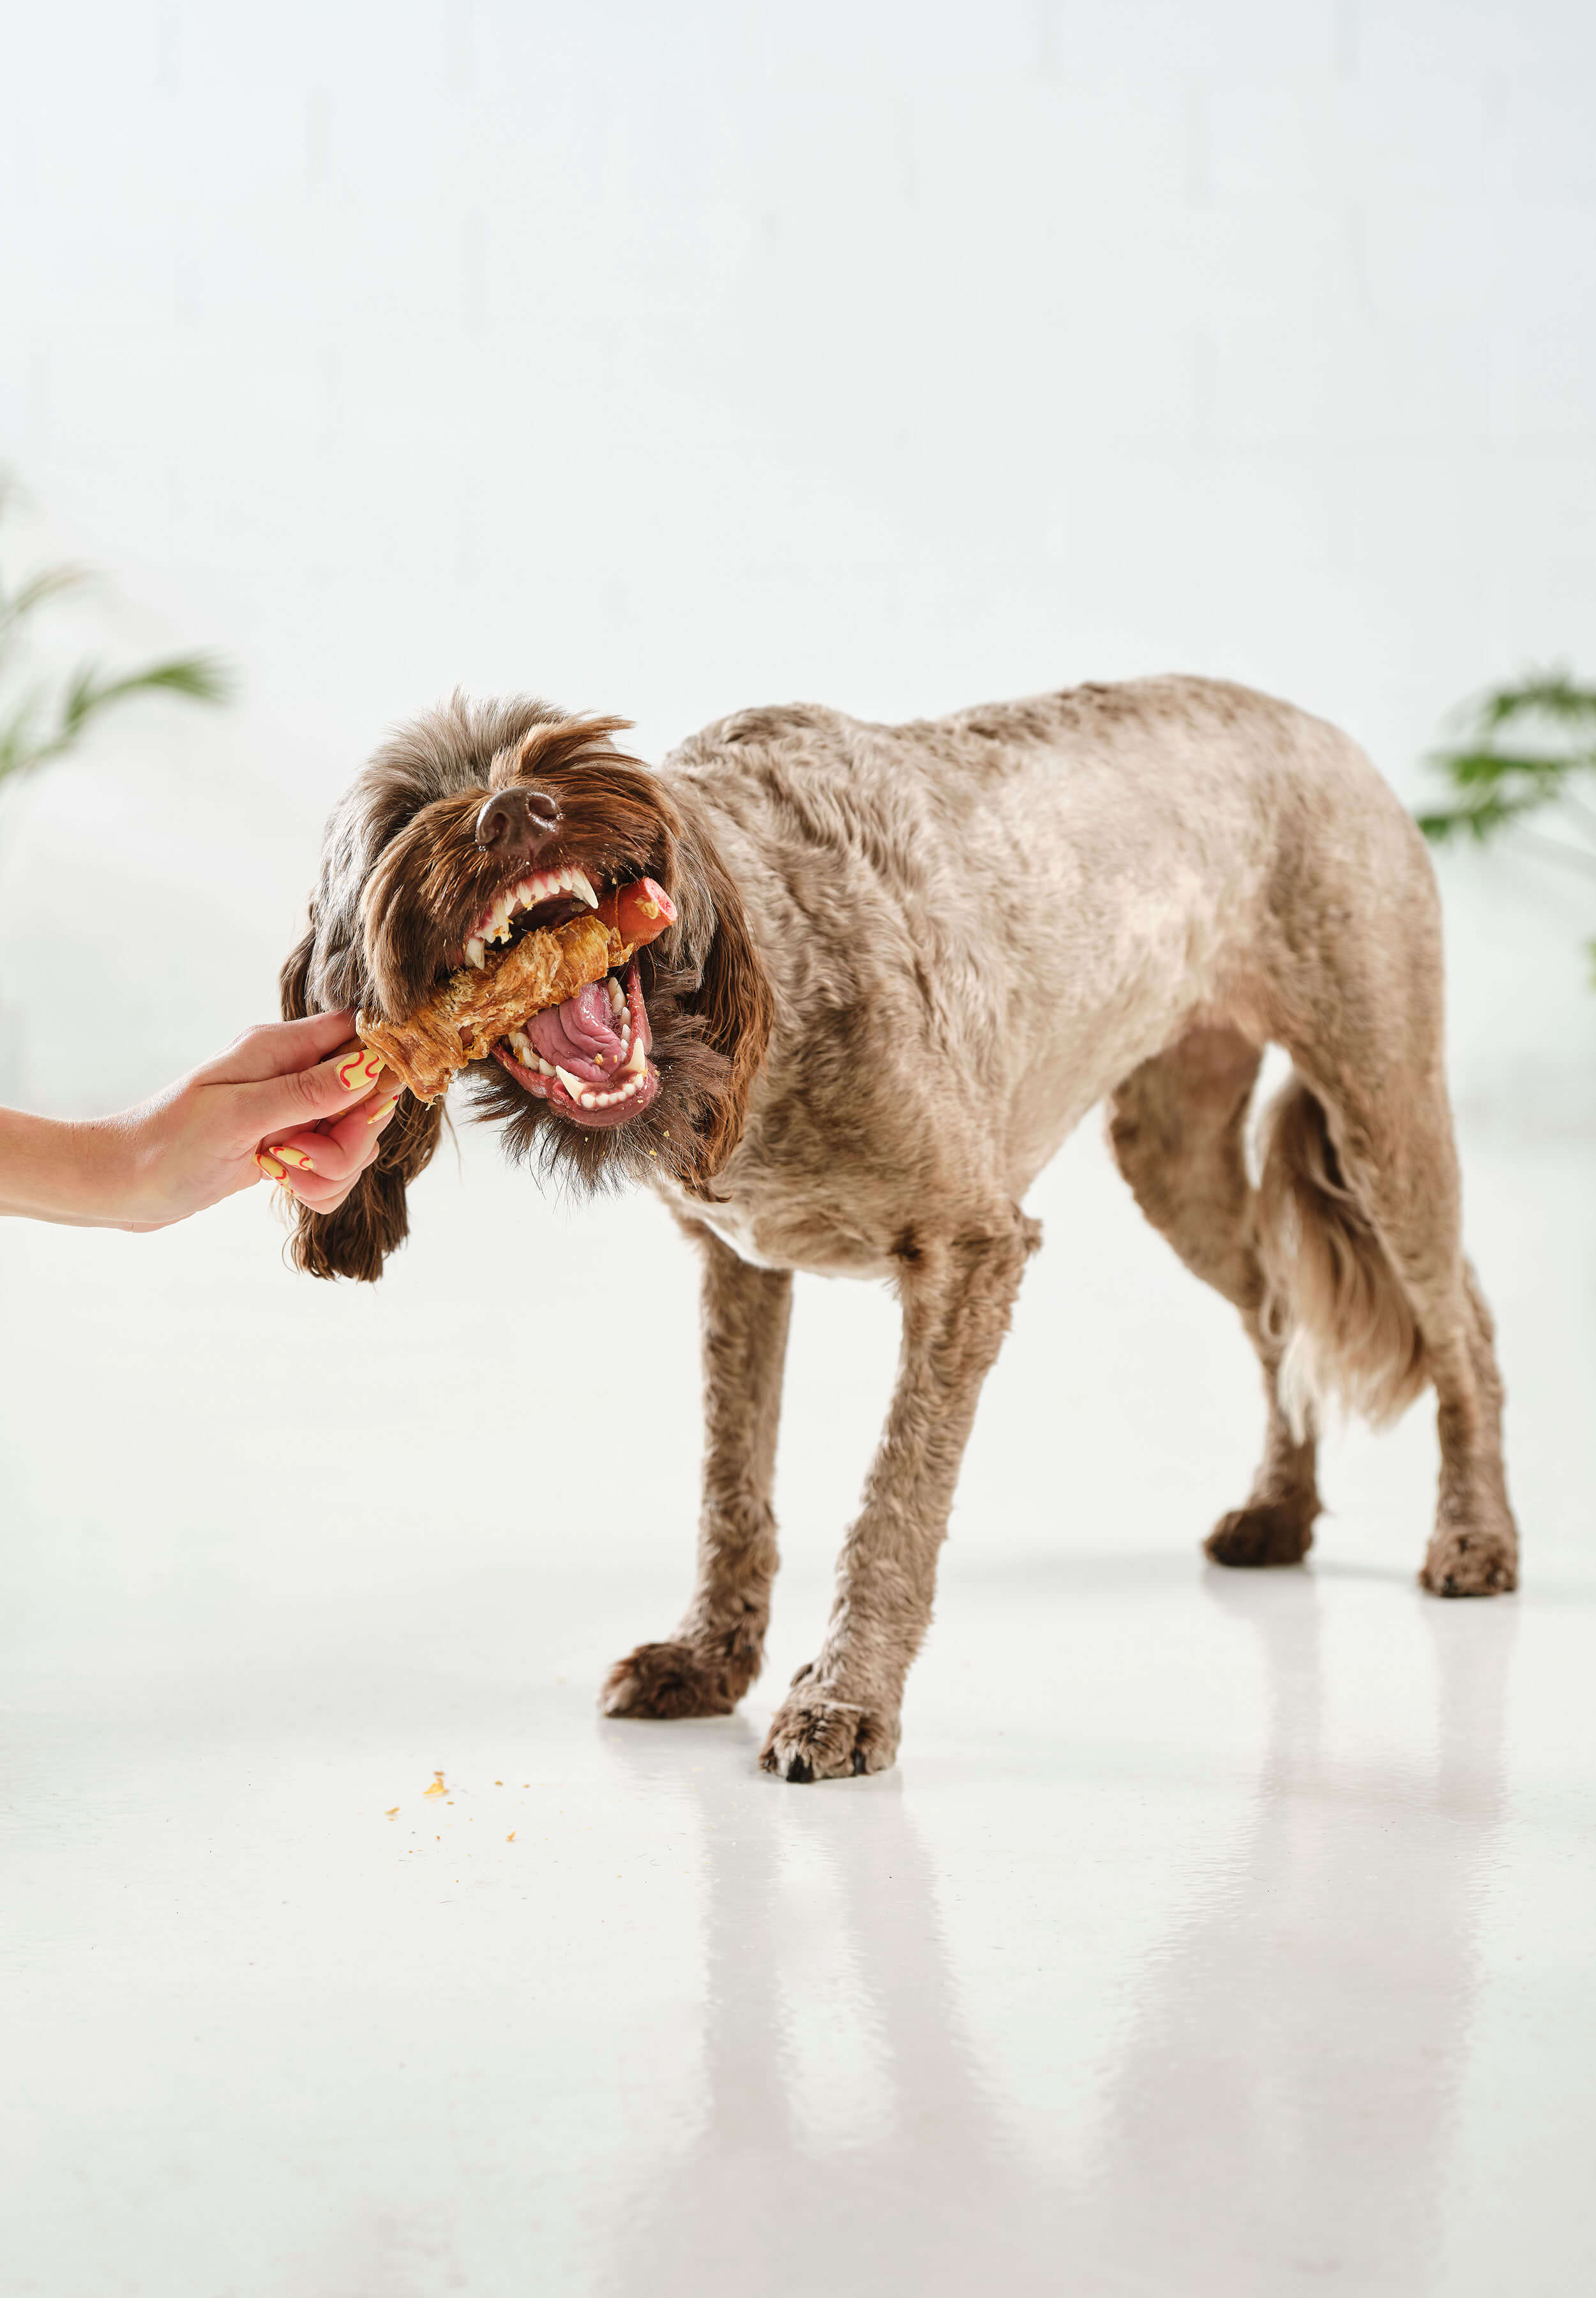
(305, 1095)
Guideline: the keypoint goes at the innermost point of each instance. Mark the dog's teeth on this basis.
(545, 1069)
(618, 1004)
(635, 1061)
(579, 885)
(592, 1100)
(474, 952)
(573, 1085)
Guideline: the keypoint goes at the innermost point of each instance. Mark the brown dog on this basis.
(906, 960)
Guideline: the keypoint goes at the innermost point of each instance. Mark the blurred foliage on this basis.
(1529, 749)
(42, 718)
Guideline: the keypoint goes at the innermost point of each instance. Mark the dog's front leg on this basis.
(705, 1668)
(842, 1714)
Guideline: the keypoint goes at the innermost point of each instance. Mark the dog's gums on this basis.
(552, 894)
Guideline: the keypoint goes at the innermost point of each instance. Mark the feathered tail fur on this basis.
(1334, 1300)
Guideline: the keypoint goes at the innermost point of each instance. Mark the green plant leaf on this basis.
(90, 690)
(203, 678)
(1466, 767)
(1552, 693)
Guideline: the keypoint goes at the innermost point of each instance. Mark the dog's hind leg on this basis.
(1176, 1127)
(957, 1292)
(705, 1668)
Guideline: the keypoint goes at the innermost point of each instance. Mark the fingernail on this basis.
(378, 1113)
(362, 1069)
(296, 1157)
(268, 1165)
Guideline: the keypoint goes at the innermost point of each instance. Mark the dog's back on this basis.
(976, 925)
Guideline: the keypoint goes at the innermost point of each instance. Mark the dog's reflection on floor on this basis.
(1281, 2110)
(786, 2189)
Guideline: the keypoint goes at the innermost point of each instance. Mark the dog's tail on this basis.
(1332, 1299)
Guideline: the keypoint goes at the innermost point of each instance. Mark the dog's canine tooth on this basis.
(635, 1061)
(573, 1085)
(579, 884)
(474, 952)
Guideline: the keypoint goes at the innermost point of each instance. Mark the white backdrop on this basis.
(664, 360)
(667, 358)
(671, 359)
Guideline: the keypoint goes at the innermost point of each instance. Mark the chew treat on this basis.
(479, 1004)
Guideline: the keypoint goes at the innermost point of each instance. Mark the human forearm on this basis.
(292, 1101)
(76, 1170)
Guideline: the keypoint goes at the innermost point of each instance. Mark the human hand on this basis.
(301, 1103)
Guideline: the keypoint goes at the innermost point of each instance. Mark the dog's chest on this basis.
(829, 1232)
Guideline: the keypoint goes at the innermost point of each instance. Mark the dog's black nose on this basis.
(517, 823)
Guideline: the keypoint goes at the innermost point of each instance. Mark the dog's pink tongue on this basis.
(571, 1035)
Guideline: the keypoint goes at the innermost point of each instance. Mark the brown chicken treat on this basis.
(461, 1022)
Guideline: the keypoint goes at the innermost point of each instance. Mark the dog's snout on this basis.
(516, 824)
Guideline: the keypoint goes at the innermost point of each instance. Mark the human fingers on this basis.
(335, 1150)
(285, 1105)
(312, 1190)
(279, 1049)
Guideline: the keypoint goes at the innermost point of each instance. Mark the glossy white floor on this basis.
(1216, 1934)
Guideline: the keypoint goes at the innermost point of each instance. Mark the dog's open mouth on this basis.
(547, 982)
(588, 1055)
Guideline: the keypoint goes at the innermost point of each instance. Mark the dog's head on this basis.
(478, 823)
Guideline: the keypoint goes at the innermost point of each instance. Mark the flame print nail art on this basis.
(269, 1166)
(361, 1070)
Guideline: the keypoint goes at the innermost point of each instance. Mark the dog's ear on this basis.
(374, 1220)
(293, 982)
(733, 1005)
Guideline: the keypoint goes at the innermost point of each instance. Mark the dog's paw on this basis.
(1467, 1560)
(1268, 1532)
(669, 1681)
(815, 1735)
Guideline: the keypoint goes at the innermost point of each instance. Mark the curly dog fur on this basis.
(907, 960)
